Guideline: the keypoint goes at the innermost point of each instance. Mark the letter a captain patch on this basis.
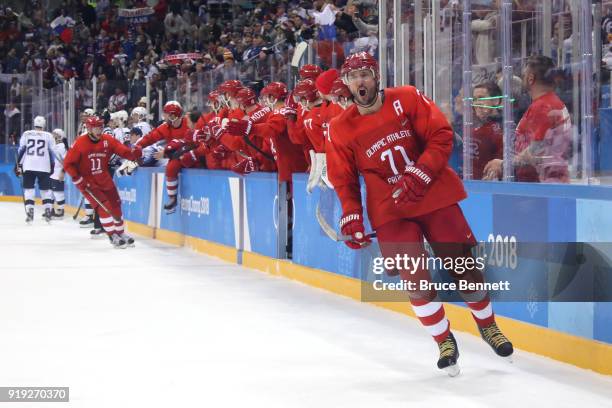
(398, 107)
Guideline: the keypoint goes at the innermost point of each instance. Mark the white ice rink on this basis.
(159, 326)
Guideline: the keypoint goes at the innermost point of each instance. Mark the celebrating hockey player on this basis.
(175, 127)
(400, 142)
(87, 164)
(35, 161)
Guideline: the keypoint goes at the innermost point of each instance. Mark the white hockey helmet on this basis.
(140, 113)
(40, 122)
(59, 135)
(120, 117)
(89, 112)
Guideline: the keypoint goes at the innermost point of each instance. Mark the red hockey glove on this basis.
(220, 152)
(413, 185)
(288, 113)
(201, 135)
(352, 225)
(239, 127)
(172, 147)
(81, 183)
(290, 101)
(189, 159)
(245, 166)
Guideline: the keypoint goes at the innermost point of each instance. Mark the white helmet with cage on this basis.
(59, 135)
(140, 114)
(120, 118)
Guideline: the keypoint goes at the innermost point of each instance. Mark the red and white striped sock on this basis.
(108, 224)
(482, 312)
(172, 186)
(119, 227)
(432, 316)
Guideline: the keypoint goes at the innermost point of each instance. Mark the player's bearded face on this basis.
(363, 86)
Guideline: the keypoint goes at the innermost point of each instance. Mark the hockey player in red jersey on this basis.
(173, 131)
(311, 103)
(87, 164)
(400, 142)
(294, 113)
(228, 90)
(214, 102)
(273, 134)
(255, 155)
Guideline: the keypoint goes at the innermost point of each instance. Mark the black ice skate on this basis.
(58, 214)
(498, 342)
(449, 354)
(128, 240)
(117, 241)
(170, 207)
(97, 233)
(30, 216)
(87, 221)
(47, 215)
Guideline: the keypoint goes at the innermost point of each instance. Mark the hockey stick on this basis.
(20, 179)
(76, 214)
(330, 231)
(88, 191)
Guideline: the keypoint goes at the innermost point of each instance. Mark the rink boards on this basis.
(241, 219)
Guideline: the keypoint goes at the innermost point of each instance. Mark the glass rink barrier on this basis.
(526, 85)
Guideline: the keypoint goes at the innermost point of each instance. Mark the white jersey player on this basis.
(36, 161)
(57, 178)
(139, 118)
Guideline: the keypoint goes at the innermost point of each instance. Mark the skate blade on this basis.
(86, 226)
(452, 370)
(509, 359)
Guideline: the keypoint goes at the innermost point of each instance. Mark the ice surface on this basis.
(159, 326)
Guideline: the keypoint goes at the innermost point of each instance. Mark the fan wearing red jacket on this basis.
(401, 142)
(174, 131)
(87, 164)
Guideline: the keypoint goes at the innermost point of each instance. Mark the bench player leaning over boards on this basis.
(401, 142)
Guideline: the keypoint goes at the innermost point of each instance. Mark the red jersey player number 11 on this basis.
(87, 163)
(400, 142)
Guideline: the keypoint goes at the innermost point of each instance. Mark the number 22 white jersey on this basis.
(36, 150)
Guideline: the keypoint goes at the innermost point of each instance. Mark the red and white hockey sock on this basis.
(171, 187)
(119, 227)
(482, 312)
(108, 223)
(432, 316)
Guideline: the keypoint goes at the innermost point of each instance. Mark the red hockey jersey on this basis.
(89, 159)
(408, 129)
(166, 132)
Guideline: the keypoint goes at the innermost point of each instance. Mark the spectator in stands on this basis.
(543, 135)
(138, 87)
(118, 101)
